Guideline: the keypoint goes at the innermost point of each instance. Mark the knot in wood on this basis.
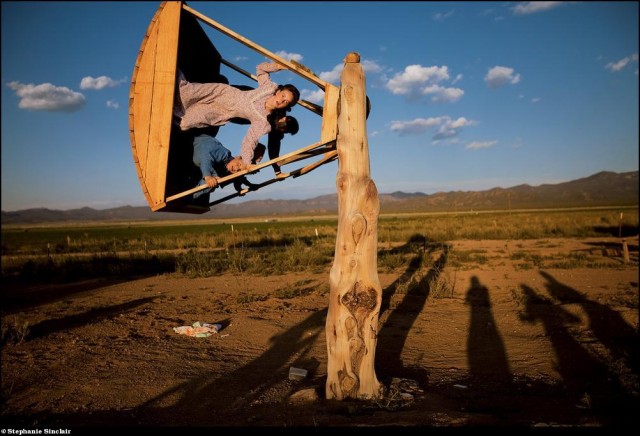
(358, 227)
(360, 298)
(348, 384)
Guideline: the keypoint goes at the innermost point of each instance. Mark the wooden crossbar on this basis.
(331, 156)
(251, 170)
(296, 173)
(307, 155)
(303, 72)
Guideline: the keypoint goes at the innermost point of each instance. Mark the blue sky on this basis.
(465, 95)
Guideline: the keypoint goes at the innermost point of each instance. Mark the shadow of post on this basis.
(393, 335)
(213, 399)
(51, 326)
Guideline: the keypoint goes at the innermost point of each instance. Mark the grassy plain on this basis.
(273, 246)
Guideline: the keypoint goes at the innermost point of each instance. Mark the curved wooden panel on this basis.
(151, 101)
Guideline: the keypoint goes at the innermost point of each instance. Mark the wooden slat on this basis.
(311, 106)
(330, 113)
(244, 191)
(307, 155)
(332, 155)
(140, 105)
(163, 94)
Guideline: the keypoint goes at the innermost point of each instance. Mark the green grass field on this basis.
(67, 253)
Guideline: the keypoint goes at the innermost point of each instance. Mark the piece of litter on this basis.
(297, 373)
(198, 330)
(224, 336)
(460, 386)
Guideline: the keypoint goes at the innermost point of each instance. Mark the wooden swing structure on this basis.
(162, 155)
(176, 40)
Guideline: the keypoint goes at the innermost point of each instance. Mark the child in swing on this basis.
(216, 161)
(214, 104)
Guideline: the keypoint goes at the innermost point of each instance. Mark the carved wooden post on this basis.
(356, 294)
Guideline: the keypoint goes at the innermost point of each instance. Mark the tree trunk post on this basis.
(355, 291)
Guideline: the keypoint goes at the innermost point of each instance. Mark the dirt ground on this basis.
(508, 347)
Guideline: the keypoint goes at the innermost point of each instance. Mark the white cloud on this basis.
(525, 8)
(47, 97)
(536, 100)
(417, 80)
(517, 143)
(333, 76)
(416, 77)
(476, 145)
(499, 76)
(440, 94)
(370, 67)
(290, 56)
(99, 82)
(316, 96)
(113, 104)
(415, 127)
(617, 66)
(445, 126)
(441, 16)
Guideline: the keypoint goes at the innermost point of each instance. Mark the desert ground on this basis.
(504, 346)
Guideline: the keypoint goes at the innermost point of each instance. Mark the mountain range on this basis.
(602, 189)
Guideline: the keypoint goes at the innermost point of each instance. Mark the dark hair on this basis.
(291, 125)
(293, 90)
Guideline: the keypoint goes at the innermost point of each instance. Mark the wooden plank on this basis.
(329, 157)
(300, 70)
(140, 104)
(162, 100)
(308, 154)
(244, 191)
(311, 106)
(330, 113)
(253, 169)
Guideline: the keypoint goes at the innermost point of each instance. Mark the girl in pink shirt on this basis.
(214, 104)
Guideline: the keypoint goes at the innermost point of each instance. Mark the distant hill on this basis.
(601, 189)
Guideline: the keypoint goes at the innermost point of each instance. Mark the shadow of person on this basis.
(486, 354)
(607, 325)
(588, 383)
(490, 379)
